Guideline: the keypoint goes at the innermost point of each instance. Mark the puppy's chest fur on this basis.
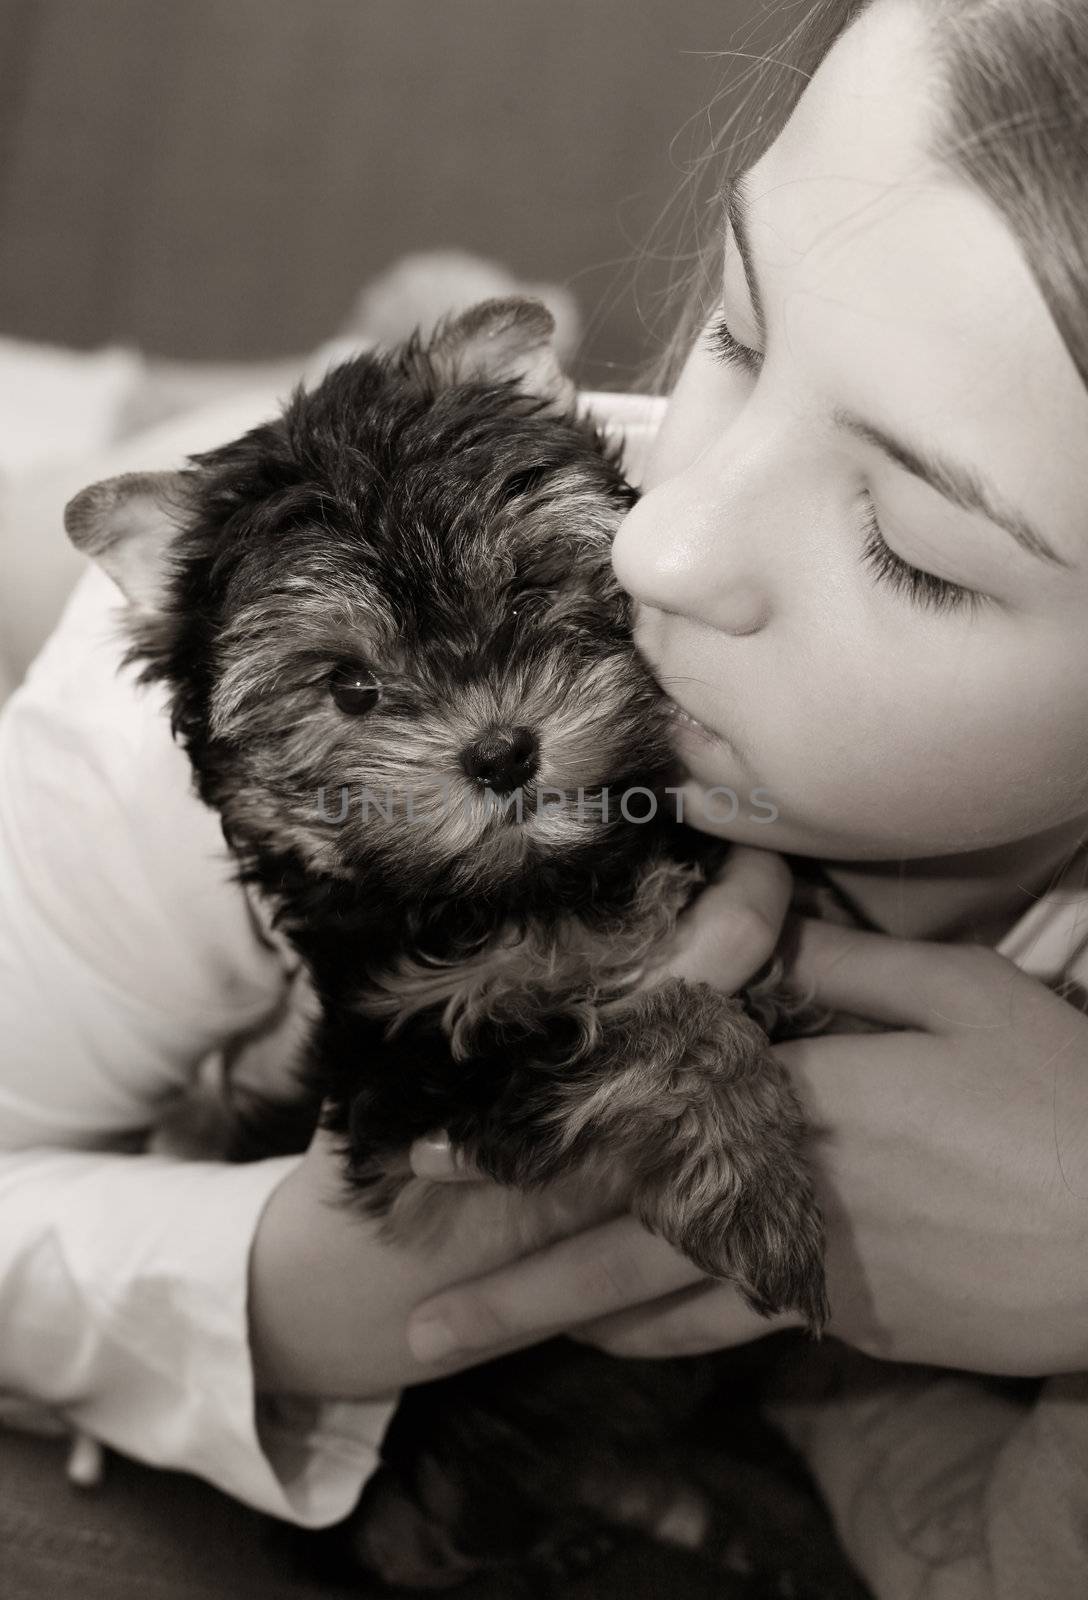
(528, 976)
(443, 1023)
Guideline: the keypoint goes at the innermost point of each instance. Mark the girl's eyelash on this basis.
(726, 347)
(938, 594)
(923, 588)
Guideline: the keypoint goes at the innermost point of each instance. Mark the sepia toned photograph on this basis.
(544, 799)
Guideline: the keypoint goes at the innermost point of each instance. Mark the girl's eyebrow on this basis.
(963, 487)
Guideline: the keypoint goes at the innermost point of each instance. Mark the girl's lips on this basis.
(685, 723)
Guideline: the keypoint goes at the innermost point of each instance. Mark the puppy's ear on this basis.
(128, 525)
(504, 338)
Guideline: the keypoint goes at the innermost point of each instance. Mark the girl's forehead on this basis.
(902, 289)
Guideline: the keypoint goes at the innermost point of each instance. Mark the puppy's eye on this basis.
(354, 688)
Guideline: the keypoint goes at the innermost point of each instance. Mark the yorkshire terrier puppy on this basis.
(403, 671)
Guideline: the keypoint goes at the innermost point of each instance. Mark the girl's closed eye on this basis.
(725, 347)
(920, 587)
(924, 588)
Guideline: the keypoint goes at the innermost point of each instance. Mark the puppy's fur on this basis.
(403, 671)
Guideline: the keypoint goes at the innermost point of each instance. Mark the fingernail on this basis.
(438, 1142)
(431, 1338)
(432, 1157)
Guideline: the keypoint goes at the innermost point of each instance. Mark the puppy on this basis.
(403, 671)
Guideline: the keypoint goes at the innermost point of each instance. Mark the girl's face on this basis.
(861, 557)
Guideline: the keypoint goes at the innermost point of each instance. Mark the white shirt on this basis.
(127, 955)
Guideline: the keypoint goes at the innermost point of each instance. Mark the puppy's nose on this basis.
(503, 758)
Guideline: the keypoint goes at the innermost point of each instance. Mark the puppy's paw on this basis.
(765, 1235)
(775, 1249)
(728, 1185)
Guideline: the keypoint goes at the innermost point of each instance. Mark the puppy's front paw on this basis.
(762, 1231)
(730, 1187)
(774, 1250)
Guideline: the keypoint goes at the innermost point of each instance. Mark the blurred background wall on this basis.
(216, 178)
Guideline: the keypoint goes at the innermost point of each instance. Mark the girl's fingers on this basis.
(710, 1316)
(435, 1158)
(592, 1274)
(906, 983)
(734, 925)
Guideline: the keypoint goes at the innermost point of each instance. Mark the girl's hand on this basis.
(329, 1297)
(952, 1166)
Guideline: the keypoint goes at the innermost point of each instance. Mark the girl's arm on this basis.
(123, 1304)
(940, 1484)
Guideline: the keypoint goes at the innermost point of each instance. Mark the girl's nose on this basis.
(685, 551)
(706, 541)
(676, 552)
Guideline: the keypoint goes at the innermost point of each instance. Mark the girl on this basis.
(860, 565)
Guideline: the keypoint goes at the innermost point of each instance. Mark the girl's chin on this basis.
(707, 761)
(731, 807)
(725, 803)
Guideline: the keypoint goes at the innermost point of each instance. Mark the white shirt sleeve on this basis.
(127, 954)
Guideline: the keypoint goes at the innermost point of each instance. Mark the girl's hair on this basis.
(1014, 125)
(1017, 128)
